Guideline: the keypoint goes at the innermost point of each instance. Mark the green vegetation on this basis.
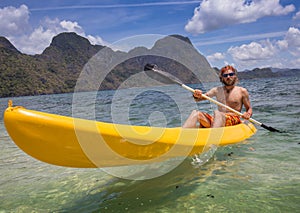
(57, 69)
(54, 71)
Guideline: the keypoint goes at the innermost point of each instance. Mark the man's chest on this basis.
(232, 98)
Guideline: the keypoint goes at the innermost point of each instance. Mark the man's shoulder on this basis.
(216, 89)
(213, 91)
(241, 88)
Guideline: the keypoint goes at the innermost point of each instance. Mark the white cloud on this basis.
(291, 41)
(231, 38)
(295, 63)
(140, 4)
(215, 14)
(297, 16)
(253, 51)
(216, 56)
(283, 53)
(283, 44)
(35, 43)
(97, 40)
(40, 37)
(71, 26)
(14, 20)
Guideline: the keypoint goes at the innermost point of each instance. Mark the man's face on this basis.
(229, 78)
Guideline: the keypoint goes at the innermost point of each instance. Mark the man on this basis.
(229, 94)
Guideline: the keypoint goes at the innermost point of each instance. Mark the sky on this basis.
(247, 34)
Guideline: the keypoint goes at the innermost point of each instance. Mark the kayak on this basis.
(75, 142)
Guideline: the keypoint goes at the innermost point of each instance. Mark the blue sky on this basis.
(243, 33)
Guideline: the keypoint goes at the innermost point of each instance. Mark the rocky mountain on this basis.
(72, 63)
(53, 71)
(5, 44)
(57, 69)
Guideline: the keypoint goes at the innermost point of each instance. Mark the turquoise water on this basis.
(261, 174)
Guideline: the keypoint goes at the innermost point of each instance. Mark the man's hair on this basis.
(228, 67)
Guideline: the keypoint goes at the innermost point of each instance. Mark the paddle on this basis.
(168, 76)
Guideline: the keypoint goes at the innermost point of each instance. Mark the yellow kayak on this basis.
(74, 142)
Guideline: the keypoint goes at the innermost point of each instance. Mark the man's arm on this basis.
(247, 104)
(198, 94)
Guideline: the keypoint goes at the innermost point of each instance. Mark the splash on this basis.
(200, 159)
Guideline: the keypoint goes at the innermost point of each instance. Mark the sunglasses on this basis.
(228, 74)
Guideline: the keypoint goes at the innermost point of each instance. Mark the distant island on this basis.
(268, 73)
(57, 69)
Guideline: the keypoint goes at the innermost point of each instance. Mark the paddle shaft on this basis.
(177, 81)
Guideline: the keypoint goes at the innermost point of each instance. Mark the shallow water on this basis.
(260, 174)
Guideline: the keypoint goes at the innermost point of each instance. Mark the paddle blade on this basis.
(150, 67)
(270, 128)
(160, 75)
(153, 72)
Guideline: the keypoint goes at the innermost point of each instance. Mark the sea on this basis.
(260, 174)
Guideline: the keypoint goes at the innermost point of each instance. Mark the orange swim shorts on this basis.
(231, 119)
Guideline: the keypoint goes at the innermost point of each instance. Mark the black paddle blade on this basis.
(154, 72)
(150, 67)
(270, 128)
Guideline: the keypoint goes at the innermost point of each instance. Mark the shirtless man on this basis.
(229, 94)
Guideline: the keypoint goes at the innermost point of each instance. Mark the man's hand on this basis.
(246, 115)
(197, 94)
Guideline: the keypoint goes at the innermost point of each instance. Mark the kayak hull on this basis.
(80, 143)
